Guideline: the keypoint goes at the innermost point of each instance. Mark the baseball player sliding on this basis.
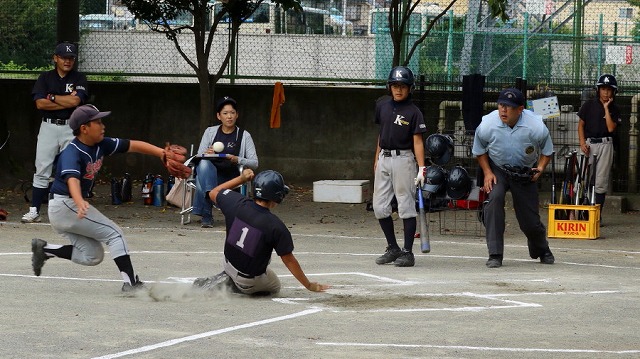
(72, 216)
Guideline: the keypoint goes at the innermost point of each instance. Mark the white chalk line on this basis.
(473, 348)
(212, 333)
(318, 235)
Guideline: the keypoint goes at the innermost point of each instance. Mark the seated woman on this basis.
(238, 147)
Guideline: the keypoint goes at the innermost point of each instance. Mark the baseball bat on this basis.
(553, 178)
(425, 245)
(593, 180)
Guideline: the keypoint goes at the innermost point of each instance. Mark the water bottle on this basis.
(116, 191)
(170, 182)
(147, 184)
(158, 191)
(126, 188)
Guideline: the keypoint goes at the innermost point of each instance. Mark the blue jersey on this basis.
(253, 233)
(83, 162)
(50, 82)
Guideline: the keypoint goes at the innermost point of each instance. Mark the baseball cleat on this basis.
(31, 216)
(39, 256)
(390, 255)
(406, 259)
(494, 262)
(138, 285)
(214, 282)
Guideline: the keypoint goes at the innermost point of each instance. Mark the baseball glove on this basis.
(173, 158)
(519, 174)
(3, 214)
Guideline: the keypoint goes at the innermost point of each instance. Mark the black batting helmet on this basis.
(458, 183)
(439, 148)
(269, 185)
(401, 74)
(435, 180)
(607, 80)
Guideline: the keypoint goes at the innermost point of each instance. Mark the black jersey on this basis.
(398, 121)
(592, 113)
(50, 82)
(253, 232)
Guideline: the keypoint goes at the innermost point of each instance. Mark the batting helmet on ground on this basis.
(269, 185)
(435, 180)
(439, 148)
(458, 183)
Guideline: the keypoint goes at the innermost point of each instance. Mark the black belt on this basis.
(240, 274)
(389, 153)
(56, 121)
(599, 139)
(53, 195)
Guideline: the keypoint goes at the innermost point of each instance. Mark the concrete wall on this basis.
(326, 133)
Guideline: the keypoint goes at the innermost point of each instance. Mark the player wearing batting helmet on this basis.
(399, 153)
(598, 119)
(252, 234)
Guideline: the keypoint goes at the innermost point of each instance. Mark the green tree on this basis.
(400, 11)
(27, 32)
(160, 15)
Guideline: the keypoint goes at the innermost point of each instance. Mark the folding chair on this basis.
(190, 189)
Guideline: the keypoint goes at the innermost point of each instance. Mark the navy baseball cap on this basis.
(511, 97)
(224, 101)
(66, 49)
(84, 114)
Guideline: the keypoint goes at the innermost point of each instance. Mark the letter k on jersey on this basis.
(400, 120)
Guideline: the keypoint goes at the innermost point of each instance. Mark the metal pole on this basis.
(600, 39)
(450, 48)
(525, 44)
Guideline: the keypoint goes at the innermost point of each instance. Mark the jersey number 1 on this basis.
(240, 242)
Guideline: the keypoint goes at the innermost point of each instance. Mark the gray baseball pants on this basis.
(87, 234)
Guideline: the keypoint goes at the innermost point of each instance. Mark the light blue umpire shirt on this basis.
(517, 146)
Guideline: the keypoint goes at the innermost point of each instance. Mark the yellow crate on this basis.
(574, 228)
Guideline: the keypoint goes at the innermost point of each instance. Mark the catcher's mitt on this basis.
(519, 174)
(173, 158)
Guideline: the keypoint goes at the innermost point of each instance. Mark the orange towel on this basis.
(278, 100)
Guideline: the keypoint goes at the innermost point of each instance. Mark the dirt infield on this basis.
(449, 305)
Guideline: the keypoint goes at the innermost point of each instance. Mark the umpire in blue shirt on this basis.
(513, 146)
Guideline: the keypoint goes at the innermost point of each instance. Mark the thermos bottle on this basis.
(158, 191)
(126, 188)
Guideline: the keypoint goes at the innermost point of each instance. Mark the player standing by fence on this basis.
(598, 119)
(56, 94)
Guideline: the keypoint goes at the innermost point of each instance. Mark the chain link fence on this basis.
(347, 41)
(556, 46)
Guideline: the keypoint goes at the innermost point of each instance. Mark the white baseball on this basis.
(218, 147)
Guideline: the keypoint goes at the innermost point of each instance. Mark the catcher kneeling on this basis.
(69, 212)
